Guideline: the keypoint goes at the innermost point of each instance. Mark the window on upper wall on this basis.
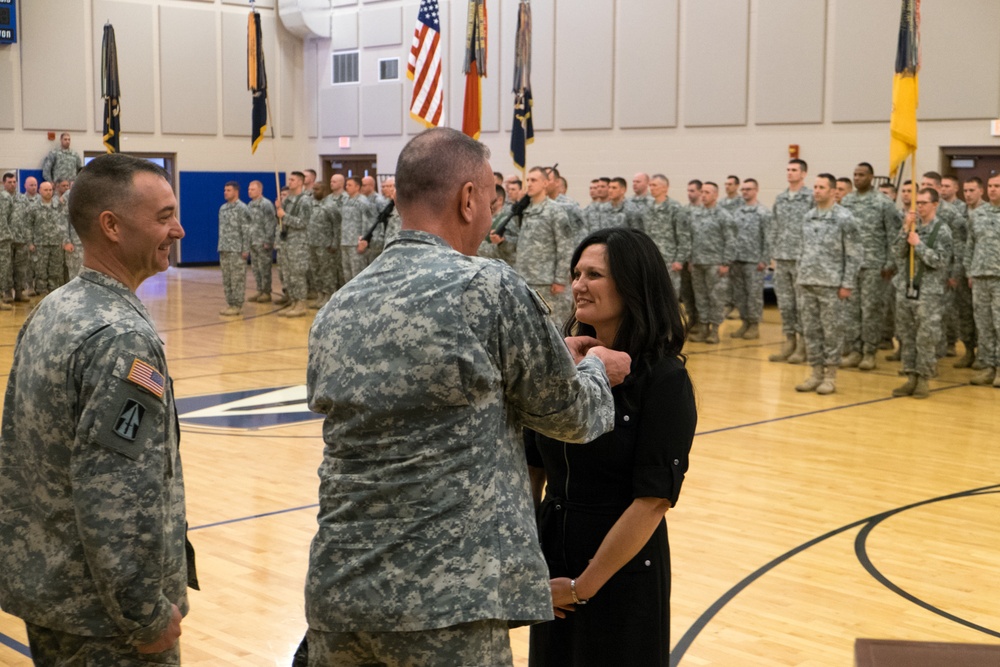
(388, 69)
(345, 67)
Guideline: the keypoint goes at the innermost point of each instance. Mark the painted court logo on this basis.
(248, 410)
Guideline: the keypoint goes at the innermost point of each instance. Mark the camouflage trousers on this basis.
(686, 295)
(323, 270)
(48, 267)
(24, 274)
(918, 325)
(234, 277)
(351, 262)
(961, 323)
(560, 305)
(786, 275)
(864, 311)
(820, 309)
(889, 318)
(478, 644)
(260, 262)
(51, 648)
(675, 280)
(711, 292)
(74, 262)
(986, 305)
(6, 268)
(748, 290)
(294, 261)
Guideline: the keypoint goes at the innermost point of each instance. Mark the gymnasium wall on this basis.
(692, 88)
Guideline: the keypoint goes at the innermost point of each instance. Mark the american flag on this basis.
(146, 377)
(424, 67)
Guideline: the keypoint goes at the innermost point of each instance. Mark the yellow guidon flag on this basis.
(905, 89)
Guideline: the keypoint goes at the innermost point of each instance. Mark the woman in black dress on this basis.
(601, 522)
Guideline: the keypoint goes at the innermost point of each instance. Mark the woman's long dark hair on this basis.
(652, 327)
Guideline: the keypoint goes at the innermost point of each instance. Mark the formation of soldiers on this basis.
(39, 249)
(840, 250)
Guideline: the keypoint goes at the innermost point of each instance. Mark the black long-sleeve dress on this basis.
(589, 487)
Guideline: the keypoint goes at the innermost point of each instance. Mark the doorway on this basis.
(964, 162)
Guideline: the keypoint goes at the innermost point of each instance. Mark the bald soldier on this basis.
(92, 532)
(426, 367)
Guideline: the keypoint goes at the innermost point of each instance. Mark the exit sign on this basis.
(8, 22)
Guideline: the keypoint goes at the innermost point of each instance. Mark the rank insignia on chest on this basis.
(127, 424)
(146, 377)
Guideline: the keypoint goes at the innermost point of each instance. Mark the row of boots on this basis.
(823, 380)
(793, 350)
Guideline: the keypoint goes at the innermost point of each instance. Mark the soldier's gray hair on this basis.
(435, 164)
(106, 184)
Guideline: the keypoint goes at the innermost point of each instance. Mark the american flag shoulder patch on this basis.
(146, 377)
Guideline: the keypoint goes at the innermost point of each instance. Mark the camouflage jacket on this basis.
(789, 212)
(324, 225)
(713, 231)
(545, 245)
(959, 232)
(731, 204)
(982, 251)
(878, 224)
(426, 367)
(832, 252)
(264, 222)
(46, 223)
(577, 222)
(92, 531)
(666, 224)
(357, 216)
(8, 204)
(752, 226)
(295, 224)
(235, 224)
(934, 259)
(61, 165)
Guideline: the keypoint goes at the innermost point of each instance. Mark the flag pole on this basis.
(914, 189)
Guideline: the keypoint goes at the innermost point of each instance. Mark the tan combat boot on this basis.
(811, 382)
(712, 337)
(799, 355)
(739, 332)
(697, 333)
(851, 360)
(921, 390)
(984, 378)
(230, 311)
(752, 332)
(264, 297)
(829, 383)
(907, 388)
(967, 358)
(786, 349)
(298, 309)
(867, 362)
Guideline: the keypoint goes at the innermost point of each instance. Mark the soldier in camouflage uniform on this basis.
(73, 247)
(504, 245)
(665, 223)
(63, 163)
(577, 223)
(961, 324)
(732, 201)
(695, 325)
(959, 230)
(594, 213)
(982, 257)
(750, 259)
(24, 274)
(832, 254)
(264, 226)
(8, 200)
(713, 232)
(324, 243)
(293, 217)
(973, 190)
(235, 224)
(878, 225)
(918, 307)
(789, 211)
(46, 225)
(92, 532)
(357, 215)
(616, 213)
(426, 370)
(545, 247)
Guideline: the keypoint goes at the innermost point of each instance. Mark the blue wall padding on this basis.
(200, 198)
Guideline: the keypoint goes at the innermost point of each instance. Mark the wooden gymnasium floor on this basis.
(805, 522)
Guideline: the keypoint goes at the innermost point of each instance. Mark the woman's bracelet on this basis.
(572, 591)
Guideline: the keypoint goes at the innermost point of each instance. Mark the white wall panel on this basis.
(293, 74)
(584, 64)
(344, 31)
(381, 26)
(54, 93)
(382, 109)
(863, 57)
(960, 69)
(7, 83)
(646, 64)
(543, 67)
(311, 61)
(338, 111)
(189, 89)
(715, 57)
(790, 61)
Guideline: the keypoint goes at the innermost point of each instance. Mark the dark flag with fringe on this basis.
(110, 90)
(474, 67)
(522, 131)
(256, 81)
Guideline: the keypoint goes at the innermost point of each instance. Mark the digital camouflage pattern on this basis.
(982, 259)
(294, 247)
(61, 164)
(666, 224)
(426, 369)
(832, 252)
(92, 525)
(263, 228)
